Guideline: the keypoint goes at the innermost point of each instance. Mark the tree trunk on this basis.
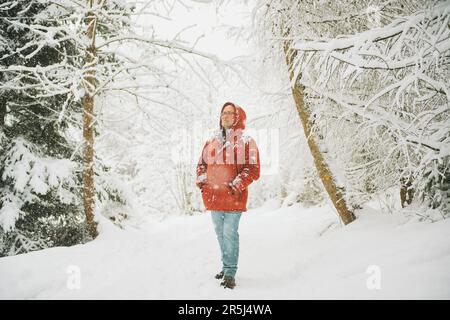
(88, 129)
(406, 192)
(2, 114)
(322, 168)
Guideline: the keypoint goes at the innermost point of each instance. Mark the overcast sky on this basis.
(207, 21)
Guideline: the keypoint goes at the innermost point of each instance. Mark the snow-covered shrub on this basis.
(39, 198)
(433, 185)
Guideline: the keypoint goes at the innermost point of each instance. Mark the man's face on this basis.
(227, 117)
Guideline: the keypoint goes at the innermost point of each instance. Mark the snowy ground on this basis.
(286, 253)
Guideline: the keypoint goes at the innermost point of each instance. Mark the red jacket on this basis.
(227, 166)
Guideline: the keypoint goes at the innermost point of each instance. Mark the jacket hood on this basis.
(241, 117)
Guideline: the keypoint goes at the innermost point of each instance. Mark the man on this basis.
(228, 164)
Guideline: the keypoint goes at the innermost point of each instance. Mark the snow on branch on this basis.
(429, 27)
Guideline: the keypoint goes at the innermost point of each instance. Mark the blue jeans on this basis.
(226, 224)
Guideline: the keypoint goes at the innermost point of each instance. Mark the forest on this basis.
(106, 107)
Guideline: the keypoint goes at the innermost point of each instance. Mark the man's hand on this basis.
(237, 185)
(200, 184)
(236, 188)
(233, 188)
(201, 180)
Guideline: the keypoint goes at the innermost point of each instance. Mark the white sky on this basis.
(206, 20)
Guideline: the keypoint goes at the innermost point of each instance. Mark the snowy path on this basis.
(287, 253)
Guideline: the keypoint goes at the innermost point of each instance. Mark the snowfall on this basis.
(286, 252)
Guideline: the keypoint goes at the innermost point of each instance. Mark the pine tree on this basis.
(39, 169)
(44, 75)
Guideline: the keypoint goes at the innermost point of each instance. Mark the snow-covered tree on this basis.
(40, 200)
(374, 73)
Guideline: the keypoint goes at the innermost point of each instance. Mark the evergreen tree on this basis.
(42, 80)
(39, 169)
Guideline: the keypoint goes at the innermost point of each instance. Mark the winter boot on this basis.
(219, 275)
(228, 282)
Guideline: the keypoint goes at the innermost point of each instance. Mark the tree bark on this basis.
(406, 192)
(322, 168)
(88, 129)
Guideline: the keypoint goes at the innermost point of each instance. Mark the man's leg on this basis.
(218, 220)
(231, 242)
